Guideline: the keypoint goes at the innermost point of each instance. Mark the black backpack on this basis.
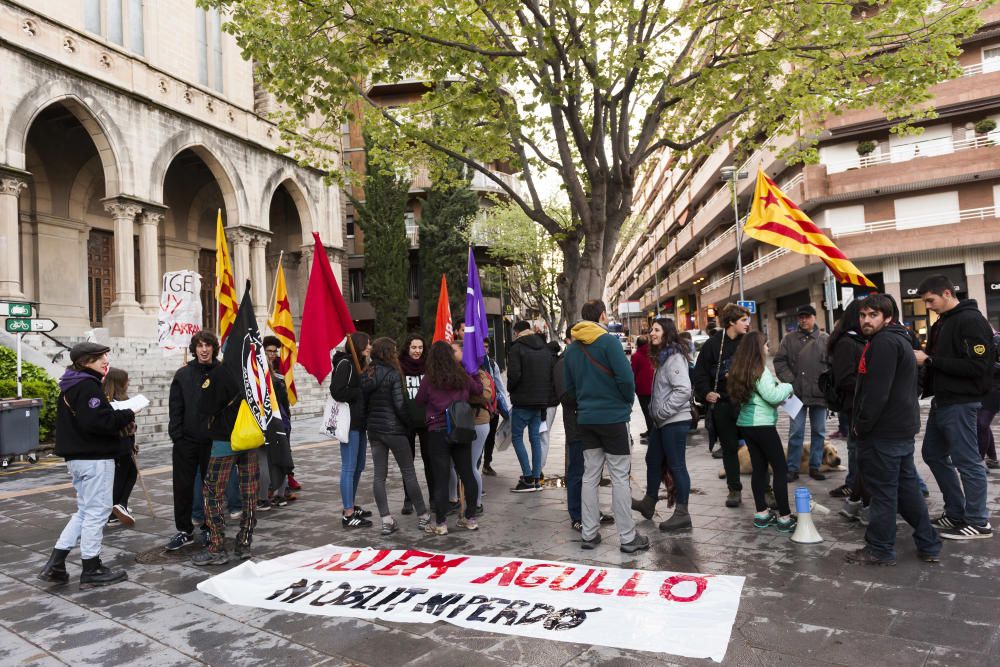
(827, 385)
(460, 418)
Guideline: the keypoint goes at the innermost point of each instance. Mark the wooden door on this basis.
(100, 274)
(209, 306)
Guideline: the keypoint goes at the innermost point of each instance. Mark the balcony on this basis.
(916, 150)
(916, 222)
(481, 182)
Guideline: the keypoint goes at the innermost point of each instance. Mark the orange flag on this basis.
(225, 286)
(777, 220)
(443, 329)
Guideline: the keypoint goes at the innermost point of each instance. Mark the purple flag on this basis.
(476, 330)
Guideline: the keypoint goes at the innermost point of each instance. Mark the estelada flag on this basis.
(283, 327)
(443, 328)
(777, 220)
(325, 318)
(247, 362)
(225, 286)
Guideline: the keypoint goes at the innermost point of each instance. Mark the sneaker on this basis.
(793, 476)
(355, 521)
(242, 551)
(436, 528)
(606, 519)
(734, 499)
(358, 509)
(851, 510)
(764, 520)
(238, 514)
(122, 514)
(863, 556)
(423, 522)
(179, 540)
(468, 523)
(113, 521)
(293, 484)
(263, 505)
(210, 558)
(592, 542)
(577, 526)
(538, 485)
(407, 507)
(453, 507)
(524, 485)
(943, 521)
(279, 501)
(638, 543)
(993, 464)
(389, 527)
(489, 471)
(816, 474)
(967, 532)
(842, 491)
(929, 557)
(786, 525)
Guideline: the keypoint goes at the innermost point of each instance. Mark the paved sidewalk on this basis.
(802, 605)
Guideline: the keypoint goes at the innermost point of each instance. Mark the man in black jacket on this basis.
(709, 379)
(959, 350)
(191, 444)
(885, 420)
(529, 381)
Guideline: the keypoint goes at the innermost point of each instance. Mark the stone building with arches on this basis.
(125, 127)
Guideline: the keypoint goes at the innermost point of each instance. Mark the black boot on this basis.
(55, 568)
(97, 574)
(646, 506)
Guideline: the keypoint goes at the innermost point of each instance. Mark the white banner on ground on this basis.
(667, 612)
(180, 309)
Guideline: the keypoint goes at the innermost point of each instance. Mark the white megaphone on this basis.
(805, 529)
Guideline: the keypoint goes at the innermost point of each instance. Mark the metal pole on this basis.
(739, 237)
(831, 298)
(19, 365)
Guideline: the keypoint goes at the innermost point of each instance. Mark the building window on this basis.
(357, 280)
(940, 208)
(350, 227)
(991, 59)
(108, 18)
(208, 34)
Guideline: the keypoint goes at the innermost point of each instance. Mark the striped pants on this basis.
(216, 478)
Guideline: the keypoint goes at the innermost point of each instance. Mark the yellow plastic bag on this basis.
(247, 433)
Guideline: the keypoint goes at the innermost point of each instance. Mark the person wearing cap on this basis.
(88, 436)
(800, 359)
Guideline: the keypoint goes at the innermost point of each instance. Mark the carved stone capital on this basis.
(151, 218)
(258, 241)
(119, 209)
(12, 185)
(238, 236)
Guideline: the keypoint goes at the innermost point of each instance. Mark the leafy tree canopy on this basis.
(590, 89)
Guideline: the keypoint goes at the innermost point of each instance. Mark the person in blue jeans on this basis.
(885, 420)
(958, 377)
(529, 381)
(345, 386)
(800, 360)
(670, 413)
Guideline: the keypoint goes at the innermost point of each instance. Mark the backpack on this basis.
(827, 385)
(460, 420)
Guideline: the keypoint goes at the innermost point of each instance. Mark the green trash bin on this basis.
(18, 427)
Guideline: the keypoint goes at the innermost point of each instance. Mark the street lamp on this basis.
(731, 175)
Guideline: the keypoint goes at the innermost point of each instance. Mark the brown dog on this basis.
(831, 460)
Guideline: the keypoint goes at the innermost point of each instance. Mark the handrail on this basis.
(908, 152)
(756, 264)
(982, 213)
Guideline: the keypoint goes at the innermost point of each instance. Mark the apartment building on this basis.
(901, 207)
(125, 125)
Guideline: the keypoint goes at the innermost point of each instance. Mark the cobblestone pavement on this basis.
(801, 605)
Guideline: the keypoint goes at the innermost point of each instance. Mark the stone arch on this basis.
(213, 155)
(83, 191)
(37, 198)
(304, 203)
(103, 131)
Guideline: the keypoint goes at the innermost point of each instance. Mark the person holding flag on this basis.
(238, 405)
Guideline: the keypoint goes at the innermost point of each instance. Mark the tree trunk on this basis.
(582, 278)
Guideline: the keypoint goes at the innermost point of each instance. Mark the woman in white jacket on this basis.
(670, 409)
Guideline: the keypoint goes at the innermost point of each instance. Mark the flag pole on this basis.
(274, 292)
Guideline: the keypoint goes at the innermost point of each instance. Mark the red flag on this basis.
(325, 318)
(443, 329)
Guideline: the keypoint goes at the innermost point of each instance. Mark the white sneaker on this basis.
(123, 515)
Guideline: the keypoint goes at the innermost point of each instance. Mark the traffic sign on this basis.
(22, 325)
(15, 309)
(749, 305)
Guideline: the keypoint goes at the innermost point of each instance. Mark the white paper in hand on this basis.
(135, 404)
(792, 406)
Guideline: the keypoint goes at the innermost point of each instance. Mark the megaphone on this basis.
(805, 529)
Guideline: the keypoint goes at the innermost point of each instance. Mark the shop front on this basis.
(915, 315)
(992, 271)
(786, 313)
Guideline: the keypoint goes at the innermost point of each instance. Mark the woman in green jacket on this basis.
(759, 394)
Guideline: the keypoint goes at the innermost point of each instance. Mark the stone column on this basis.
(126, 318)
(239, 244)
(10, 246)
(891, 279)
(149, 267)
(975, 277)
(260, 285)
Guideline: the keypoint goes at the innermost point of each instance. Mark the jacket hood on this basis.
(73, 377)
(963, 305)
(587, 332)
(899, 330)
(534, 341)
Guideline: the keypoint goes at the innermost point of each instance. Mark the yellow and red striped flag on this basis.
(777, 220)
(283, 328)
(225, 285)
